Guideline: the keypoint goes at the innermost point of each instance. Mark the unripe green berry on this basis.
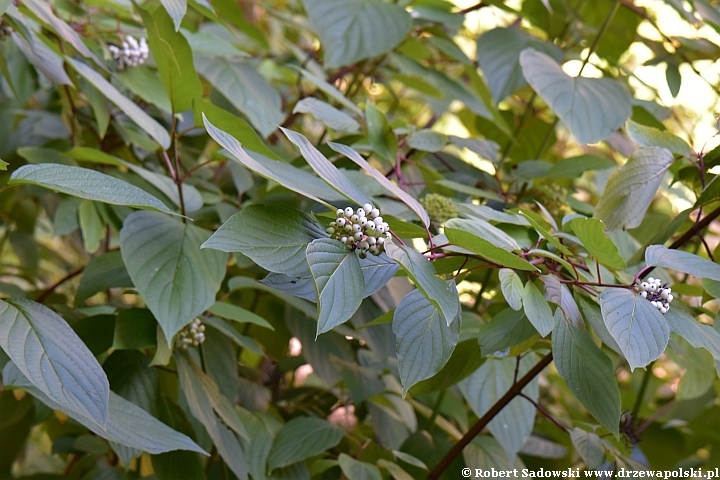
(364, 244)
(354, 218)
(339, 213)
(330, 230)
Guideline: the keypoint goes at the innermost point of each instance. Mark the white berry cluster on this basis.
(363, 230)
(657, 293)
(130, 53)
(192, 335)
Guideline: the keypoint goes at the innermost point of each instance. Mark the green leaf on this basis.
(659, 256)
(427, 140)
(380, 133)
(136, 114)
(487, 250)
(285, 174)
(574, 167)
(135, 328)
(631, 188)
(67, 33)
(588, 372)
(533, 219)
(499, 58)
(484, 230)
(403, 196)
(273, 236)
(591, 108)
(332, 117)
(235, 336)
(424, 338)
(486, 149)
(513, 425)
(246, 89)
(507, 329)
(537, 309)
(303, 287)
(330, 91)
(325, 169)
(377, 271)
(395, 471)
(512, 288)
(176, 279)
(173, 57)
(127, 424)
(560, 295)
(237, 314)
(85, 183)
(652, 137)
(640, 330)
(146, 84)
(338, 279)
(441, 294)
(485, 453)
(92, 226)
(355, 470)
(301, 438)
(263, 427)
(588, 446)
(51, 355)
(353, 30)
(101, 273)
(465, 359)
(206, 403)
(591, 233)
(695, 333)
(176, 9)
(43, 57)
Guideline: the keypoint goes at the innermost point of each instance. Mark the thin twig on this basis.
(55, 285)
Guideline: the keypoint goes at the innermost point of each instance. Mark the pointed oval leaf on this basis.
(127, 424)
(441, 294)
(487, 250)
(406, 198)
(427, 140)
(85, 183)
(238, 314)
(512, 288)
(591, 233)
(591, 108)
(588, 446)
(285, 174)
(640, 330)
(485, 230)
(659, 256)
(697, 334)
(465, 359)
(101, 273)
(507, 329)
(51, 355)
(329, 115)
(300, 438)
(273, 236)
(537, 309)
(356, 470)
(338, 279)
(377, 271)
(176, 9)
(325, 169)
(138, 115)
(303, 287)
(424, 341)
(177, 280)
(652, 137)
(352, 30)
(632, 187)
(588, 372)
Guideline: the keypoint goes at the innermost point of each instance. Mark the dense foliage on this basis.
(355, 239)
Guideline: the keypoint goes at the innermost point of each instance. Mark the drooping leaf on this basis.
(332, 117)
(176, 9)
(86, 183)
(591, 233)
(465, 359)
(286, 175)
(588, 446)
(43, 57)
(537, 309)
(659, 256)
(499, 58)
(588, 372)
(353, 30)
(491, 381)
(273, 236)
(303, 287)
(574, 167)
(427, 140)
(632, 187)
(101, 273)
(695, 333)
(484, 230)
(246, 89)
(424, 340)
(325, 169)
(406, 198)
(330, 90)
(238, 314)
(507, 329)
(177, 280)
(591, 108)
(652, 137)
(45, 13)
(487, 250)
(300, 438)
(377, 271)
(236, 337)
(512, 288)
(338, 279)
(127, 424)
(51, 355)
(640, 330)
(138, 115)
(441, 294)
(173, 56)
(356, 470)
